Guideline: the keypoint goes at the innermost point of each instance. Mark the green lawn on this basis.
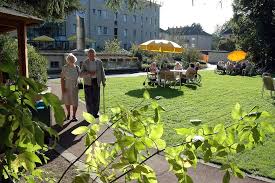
(212, 103)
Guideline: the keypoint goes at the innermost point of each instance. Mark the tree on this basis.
(254, 27)
(51, 10)
(112, 46)
(227, 44)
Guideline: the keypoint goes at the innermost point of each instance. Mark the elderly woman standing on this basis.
(69, 77)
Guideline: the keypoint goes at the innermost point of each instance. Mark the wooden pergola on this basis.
(10, 20)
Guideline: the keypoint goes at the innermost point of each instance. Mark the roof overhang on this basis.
(10, 18)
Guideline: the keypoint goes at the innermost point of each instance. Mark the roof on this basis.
(9, 19)
(187, 31)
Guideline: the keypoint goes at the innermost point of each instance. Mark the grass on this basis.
(212, 103)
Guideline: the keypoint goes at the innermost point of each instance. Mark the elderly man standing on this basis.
(93, 75)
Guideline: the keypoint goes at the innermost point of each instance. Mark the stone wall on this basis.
(111, 62)
(215, 57)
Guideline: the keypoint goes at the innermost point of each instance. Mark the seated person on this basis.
(190, 72)
(221, 65)
(197, 67)
(153, 68)
(178, 66)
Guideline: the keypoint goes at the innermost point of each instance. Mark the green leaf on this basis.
(132, 154)
(127, 141)
(156, 132)
(154, 104)
(146, 95)
(137, 128)
(161, 144)
(222, 154)
(237, 112)
(207, 156)
(188, 179)
(240, 148)
(157, 116)
(39, 135)
(54, 101)
(144, 108)
(183, 131)
(140, 146)
(82, 178)
(149, 143)
(88, 117)
(226, 177)
(256, 135)
(104, 118)
(80, 130)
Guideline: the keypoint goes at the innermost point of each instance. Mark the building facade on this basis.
(103, 23)
(188, 38)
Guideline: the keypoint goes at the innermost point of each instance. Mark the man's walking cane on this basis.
(104, 99)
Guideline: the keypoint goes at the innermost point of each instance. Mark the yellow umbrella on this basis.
(236, 56)
(163, 46)
(44, 38)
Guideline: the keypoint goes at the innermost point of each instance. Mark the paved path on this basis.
(74, 145)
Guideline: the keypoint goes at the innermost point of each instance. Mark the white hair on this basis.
(71, 56)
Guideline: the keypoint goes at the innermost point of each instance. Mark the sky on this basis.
(208, 13)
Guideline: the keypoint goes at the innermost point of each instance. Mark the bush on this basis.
(37, 63)
(37, 66)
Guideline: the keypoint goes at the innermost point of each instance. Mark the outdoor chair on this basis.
(268, 84)
(168, 77)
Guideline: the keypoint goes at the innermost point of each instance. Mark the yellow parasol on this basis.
(44, 39)
(236, 56)
(163, 46)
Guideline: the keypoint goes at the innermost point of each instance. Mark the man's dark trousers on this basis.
(92, 97)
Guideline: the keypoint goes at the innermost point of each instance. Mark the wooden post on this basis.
(22, 49)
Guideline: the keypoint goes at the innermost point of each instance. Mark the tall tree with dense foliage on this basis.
(254, 27)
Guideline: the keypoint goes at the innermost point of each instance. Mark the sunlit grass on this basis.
(212, 103)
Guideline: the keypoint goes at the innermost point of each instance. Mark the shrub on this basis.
(37, 63)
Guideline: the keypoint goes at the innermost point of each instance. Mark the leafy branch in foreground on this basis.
(22, 143)
(138, 138)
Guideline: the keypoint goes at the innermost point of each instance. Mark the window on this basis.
(104, 12)
(55, 64)
(151, 20)
(125, 32)
(150, 35)
(74, 28)
(155, 35)
(125, 46)
(145, 34)
(105, 30)
(146, 19)
(193, 39)
(141, 20)
(99, 12)
(94, 11)
(135, 33)
(134, 18)
(116, 15)
(61, 29)
(193, 45)
(141, 35)
(99, 30)
(155, 21)
(125, 18)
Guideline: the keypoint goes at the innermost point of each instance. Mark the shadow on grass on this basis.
(192, 86)
(154, 92)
